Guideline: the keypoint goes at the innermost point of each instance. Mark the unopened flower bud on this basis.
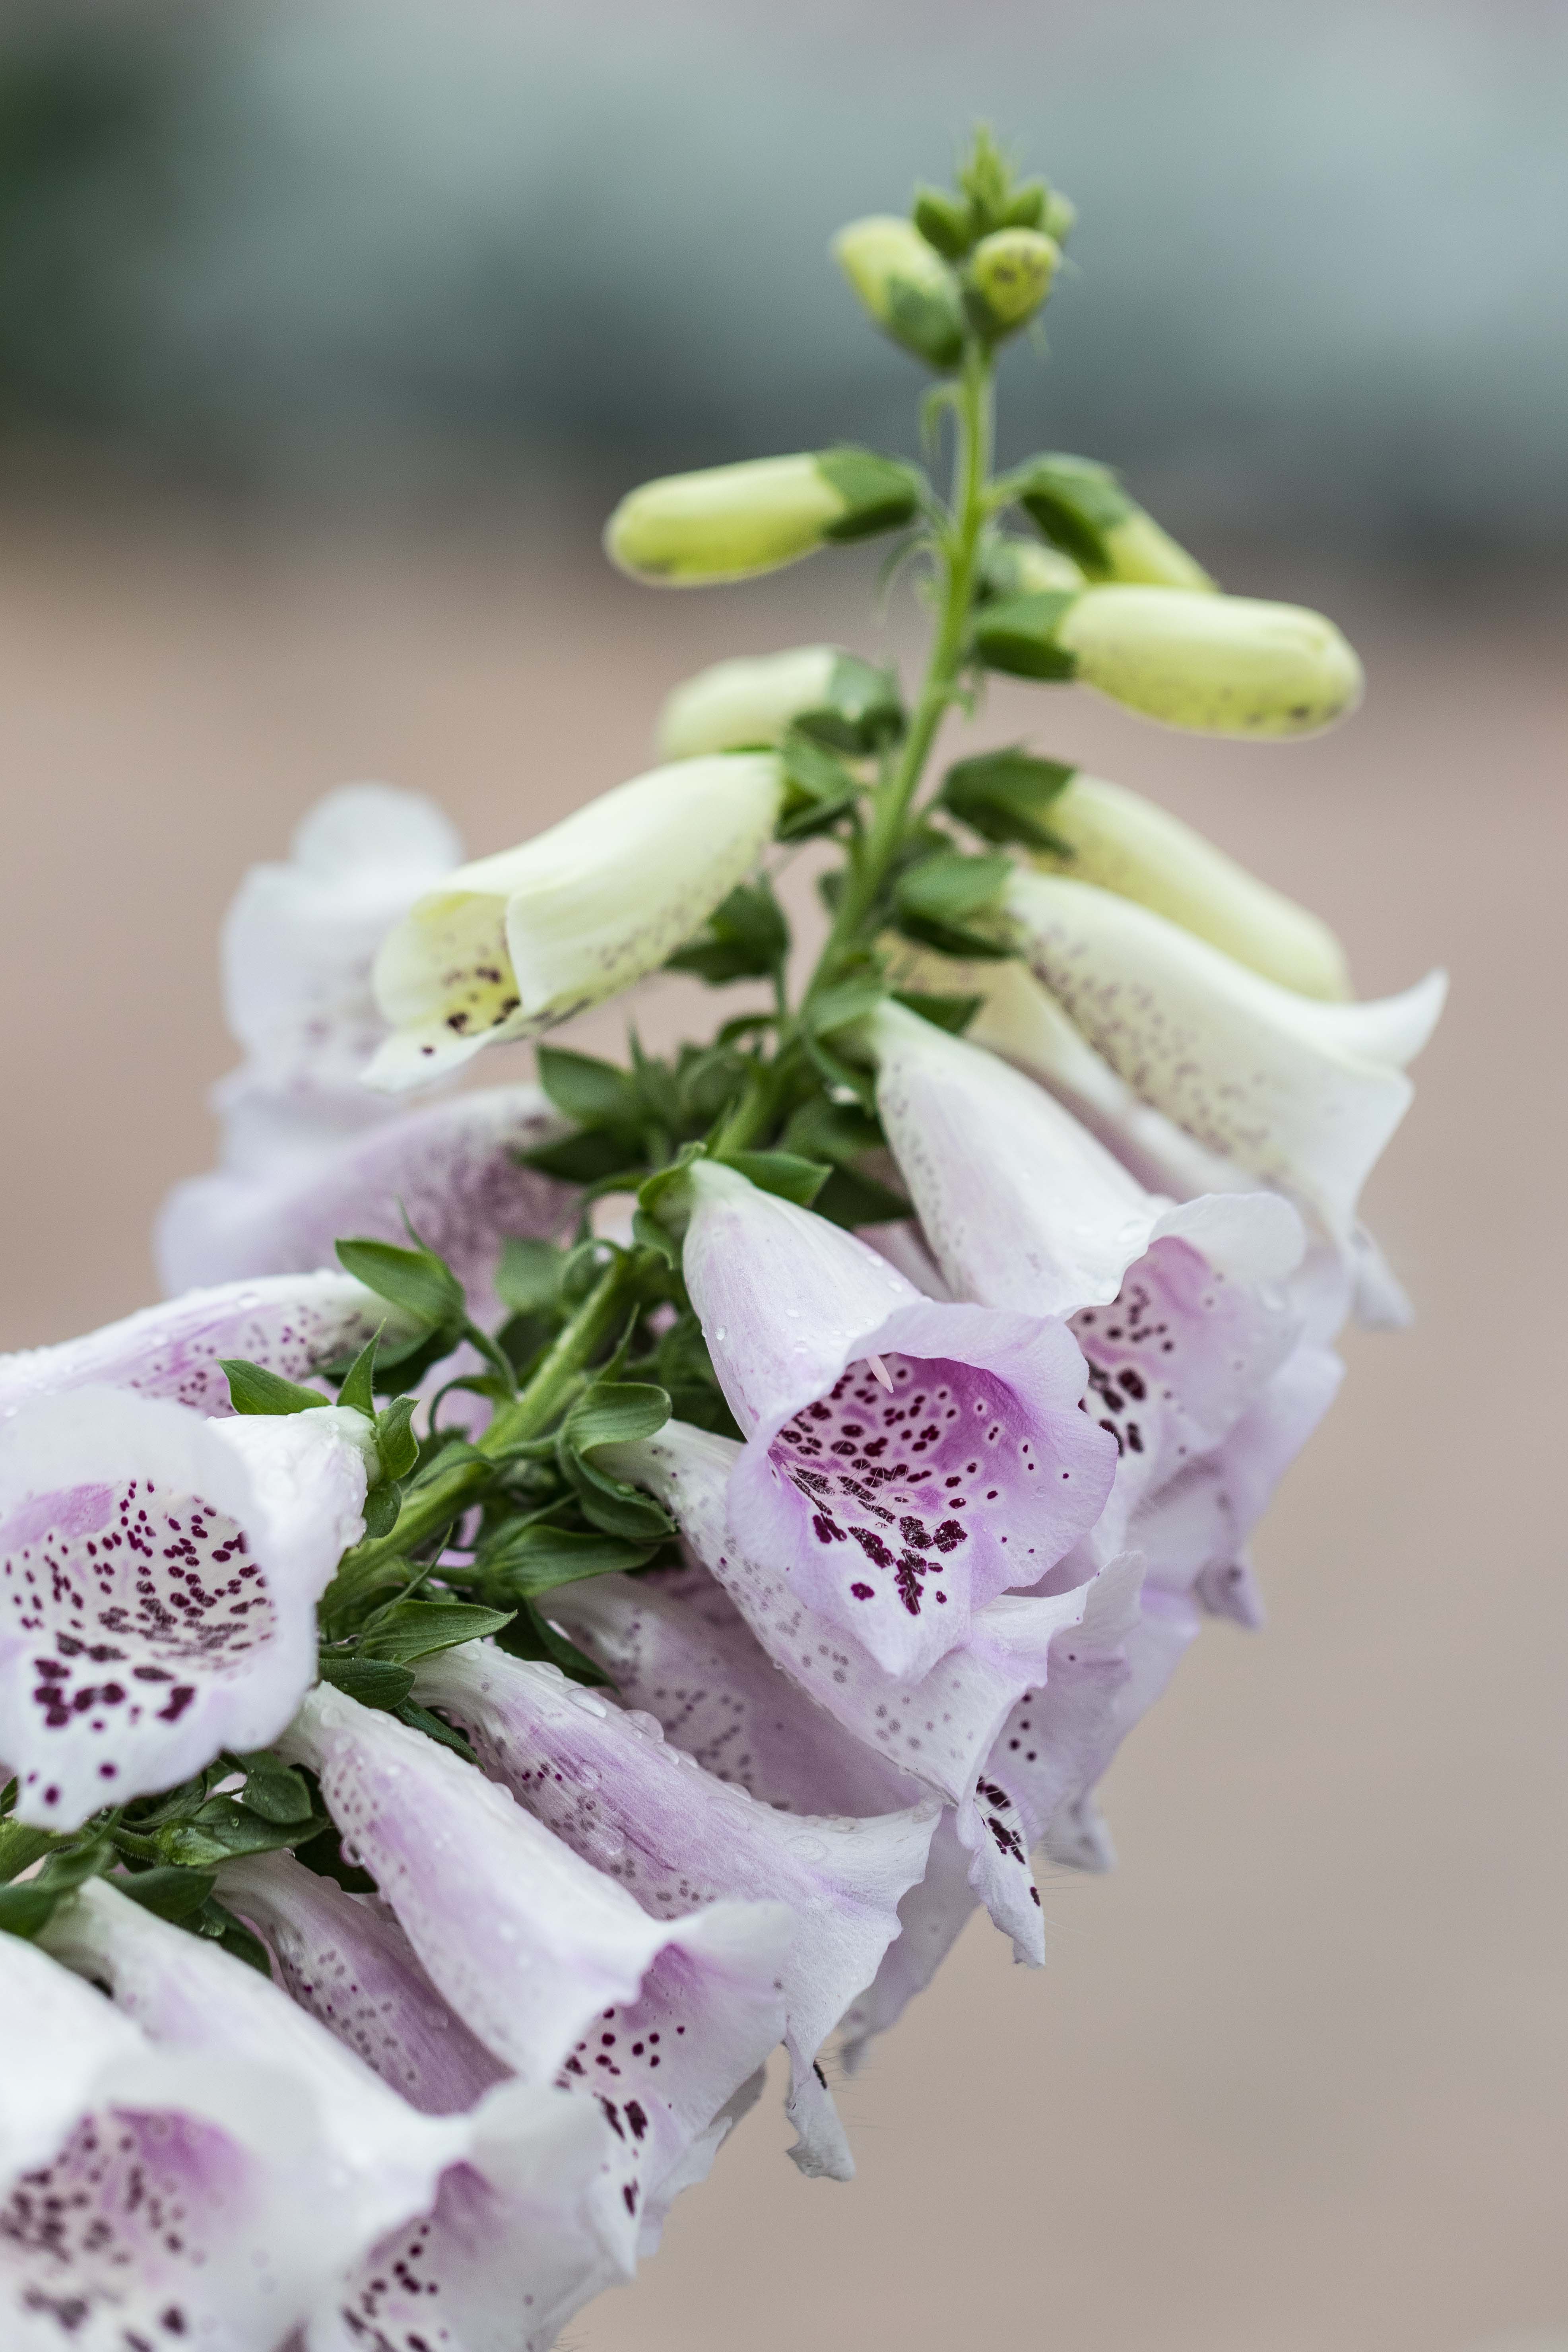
(738, 705)
(1122, 841)
(1022, 567)
(1012, 273)
(1060, 216)
(1218, 665)
(509, 945)
(1081, 507)
(905, 284)
(732, 522)
(943, 220)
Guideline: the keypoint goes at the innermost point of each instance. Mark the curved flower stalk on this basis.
(452, 1170)
(532, 2222)
(147, 2195)
(557, 1969)
(1304, 1093)
(158, 1582)
(288, 1323)
(938, 1727)
(514, 943)
(909, 1460)
(608, 1783)
(1180, 1309)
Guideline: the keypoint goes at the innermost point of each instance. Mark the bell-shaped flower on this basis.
(533, 2221)
(1217, 664)
(1179, 1308)
(1304, 1094)
(905, 285)
(558, 1970)
(158, 1580)
(290, 1324)
(938, 1727)
(1122, 841)
(511, 944)
(148, 2195)
(736, 706)
(609, 1785)
(732, 522)
(909, 1460)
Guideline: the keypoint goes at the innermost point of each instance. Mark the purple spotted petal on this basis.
(931, 1917)
(1154, 1649)
(909, 1460)
(557, 1969)
(454, 1169)
(158, 1582)
(533, 2222)
(288, 1323)
(939, 1728)
(677, 1647)
(609, 1784)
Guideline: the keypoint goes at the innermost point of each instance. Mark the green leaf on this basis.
(20, 1846)
(837, 1008)
(587, 1158)
(408, 1630)
(358, 1389)
(520, 1561)
(528, 1278)
(168, 1892)
(782, 1172)
(952, 1014)
(374, 1682)
(592, 1093)
(216, 1920)
(273, 1790)
(850, 1199)
(879, 493)
(419, 1718)
(25, 1910)
(943, 221)
(395, 1443)
(934, 901)
(746, 937)
(223, 1829)
(383, 1508)
(614, 1412)
(529, 1636)
(416, 1280)
(253, 1389)
(837, 1132)
(1004, 796)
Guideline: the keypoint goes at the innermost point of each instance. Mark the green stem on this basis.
(433, 1506)
(891, 806)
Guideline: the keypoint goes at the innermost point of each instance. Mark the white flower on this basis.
(158, 1580)
(735, 704)
(513, 944)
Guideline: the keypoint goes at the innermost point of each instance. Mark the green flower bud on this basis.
(1060, 216)
(732, 522)
(1022, 567)
(1027, 209)
(1220, 665)
(908, 288)
(1122, 841)
(943, 221)
(1082, 507)
(1011, 274)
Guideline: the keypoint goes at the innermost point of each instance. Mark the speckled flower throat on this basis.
(585, 1586)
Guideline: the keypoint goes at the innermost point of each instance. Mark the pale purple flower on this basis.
(557, 1969)
(909, 1460)
(158, 1580)
(644, 1812)
(939, 1727)
(290, 1324)
(533, 2221)
(1303, 1093)
(148, 2196)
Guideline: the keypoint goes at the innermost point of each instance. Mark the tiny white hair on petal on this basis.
(158, 1580)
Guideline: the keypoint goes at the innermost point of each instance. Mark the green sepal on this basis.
(835, 1132)
(1074, 502)
(926, 319)
(592, 1093)
(531, 1636)
(1004, 795)
(273, 1790)
(664, 1206)
(523, 1559)
(374, 1682)
(934, 901)
(167, 1891)
(416, 1280)
(587, 1158)
(819, 789)
(20, 1847)
(25, 1910)
(358, 1389)
(785, 1173)
(253, 1389)
(863, 709)
(217, 1921)
(419, 1718)
(614, 1412)
(746, 937)
(383, 1509)
(395, 1443)
(952, 1014)
(1017, 633)
(850, 1198)
(528, 1278)
(224, 1828)
(879, 493)
(1027, 209)
(405, 1631)
(841, 1006)
(944, 221)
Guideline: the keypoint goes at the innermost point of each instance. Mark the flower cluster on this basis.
(583, 1584)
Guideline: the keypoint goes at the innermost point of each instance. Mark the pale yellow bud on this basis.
(737, 704)
(1220, 665)
(1012, 272)
(905, 285)
(732, 522)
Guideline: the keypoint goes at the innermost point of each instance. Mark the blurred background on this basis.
(328, 335)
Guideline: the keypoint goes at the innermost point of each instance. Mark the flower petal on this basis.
(608, 1783)
(558, 1970)
(909, 1459)
(158, 1582)
(1305, 1094)
(290, 1324)
(452, 1170)
(939, 1728)
(1166, 1624)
